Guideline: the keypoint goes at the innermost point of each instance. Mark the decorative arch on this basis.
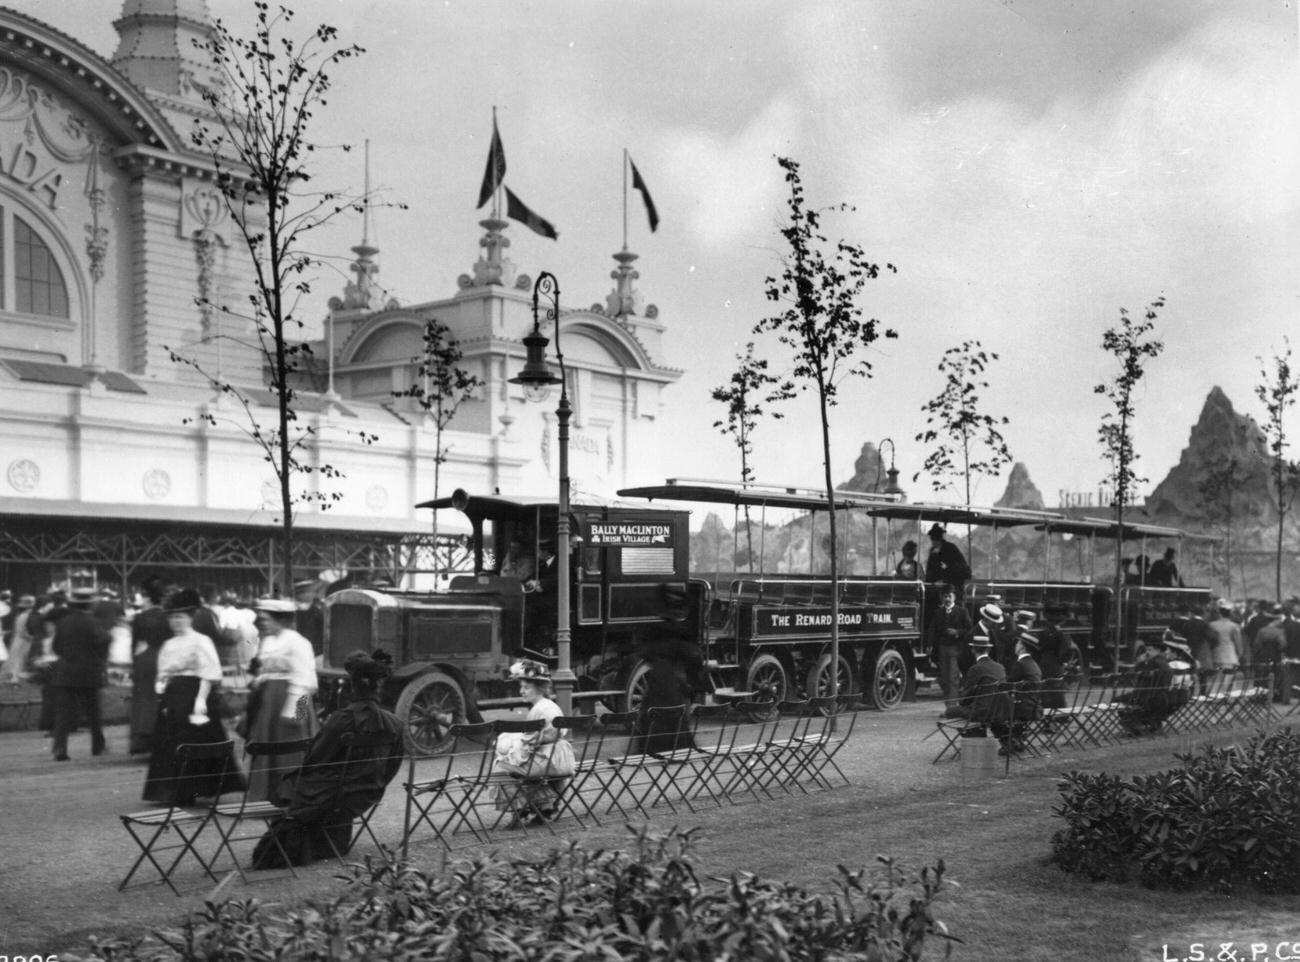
(622, 346)
(369, 342)
(87, 79)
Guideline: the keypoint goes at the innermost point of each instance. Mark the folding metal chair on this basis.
(506, 792)
(433, 802)
(751, 752)
(612, 774)
(587, 738)
(246, 810)
(841, 717)
(1101, 720)
(1037, 733)
(656, 771)
(147, 828)
(786, 757)
(711, 764)
(362, 749)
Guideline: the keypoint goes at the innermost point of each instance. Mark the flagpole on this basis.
(496, 193)
(624, 198)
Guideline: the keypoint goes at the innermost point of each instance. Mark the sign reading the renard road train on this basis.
(770, 622)
(631, 534)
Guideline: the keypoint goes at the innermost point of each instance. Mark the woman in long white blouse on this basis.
(189, 712)
(280, 704)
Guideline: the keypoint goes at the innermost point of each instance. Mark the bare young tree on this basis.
(1129, 343)
(1280, 383)
(1218, 491)
(969, 442)
(442, 388)
(750, 387)
(822, 323)
(268, 89)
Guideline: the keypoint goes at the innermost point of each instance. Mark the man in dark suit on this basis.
(950, 627)
(81, 646)
(945, 563)
(980, 700)
(541, 604)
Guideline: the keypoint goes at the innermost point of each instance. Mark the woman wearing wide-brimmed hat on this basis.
(543, 761)
(189, 712)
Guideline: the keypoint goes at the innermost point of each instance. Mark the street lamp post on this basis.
(537, 380)
(892, 487)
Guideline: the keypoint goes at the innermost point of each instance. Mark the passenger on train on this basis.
(945, 563)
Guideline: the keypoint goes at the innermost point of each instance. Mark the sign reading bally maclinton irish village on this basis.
(816, 619)
(630, 534)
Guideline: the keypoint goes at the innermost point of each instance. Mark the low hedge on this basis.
(1228, 816)
(572, 904)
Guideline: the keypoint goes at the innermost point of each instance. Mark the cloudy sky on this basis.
(1030, 167)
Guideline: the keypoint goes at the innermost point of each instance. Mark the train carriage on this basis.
(755, 635)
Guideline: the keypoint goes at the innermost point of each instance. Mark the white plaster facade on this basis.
(95, 161)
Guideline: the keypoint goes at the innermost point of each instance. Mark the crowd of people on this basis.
(189, 651)
(979, 659)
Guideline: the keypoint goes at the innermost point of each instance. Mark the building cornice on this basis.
(85, 77)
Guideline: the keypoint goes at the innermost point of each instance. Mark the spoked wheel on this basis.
(634, 690)
(888, 679)
(428, 707)
(1074, 668)
(767, 679)
(818, 684)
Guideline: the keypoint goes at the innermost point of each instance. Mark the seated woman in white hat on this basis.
(542, 761)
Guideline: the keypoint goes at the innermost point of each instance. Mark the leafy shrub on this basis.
(571, 904)
(1227, 816)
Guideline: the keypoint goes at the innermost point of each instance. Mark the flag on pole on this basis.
(516, 209)
(496, 166)
(639, 184)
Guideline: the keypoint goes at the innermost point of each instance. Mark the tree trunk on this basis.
(835, 581)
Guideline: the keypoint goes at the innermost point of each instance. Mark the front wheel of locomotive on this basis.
(428, 707)
(767, 678)
(818, 683)
(888, 677)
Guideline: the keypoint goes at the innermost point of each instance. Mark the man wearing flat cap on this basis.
(945, 563)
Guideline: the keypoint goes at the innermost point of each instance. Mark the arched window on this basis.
(38, 283)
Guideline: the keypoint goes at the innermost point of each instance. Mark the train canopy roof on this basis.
(888, 506)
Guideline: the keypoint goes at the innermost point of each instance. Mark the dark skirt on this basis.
(208, 778)
(144, 701)
(293, 841)
(265, 724)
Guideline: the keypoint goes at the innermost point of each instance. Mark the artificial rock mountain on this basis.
(1221, 486)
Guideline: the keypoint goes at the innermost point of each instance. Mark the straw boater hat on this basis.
(1024, 618)
(528, 670)
(1031, 642)
(1176, 643)
(981, 641)
(991, 613)
(279, 607)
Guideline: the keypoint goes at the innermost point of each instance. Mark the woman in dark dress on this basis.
(323, 799)
(189, 712)
(149, 632)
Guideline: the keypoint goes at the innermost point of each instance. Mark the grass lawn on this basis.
(994, 836)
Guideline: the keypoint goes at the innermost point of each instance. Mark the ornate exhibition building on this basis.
(117, 461)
